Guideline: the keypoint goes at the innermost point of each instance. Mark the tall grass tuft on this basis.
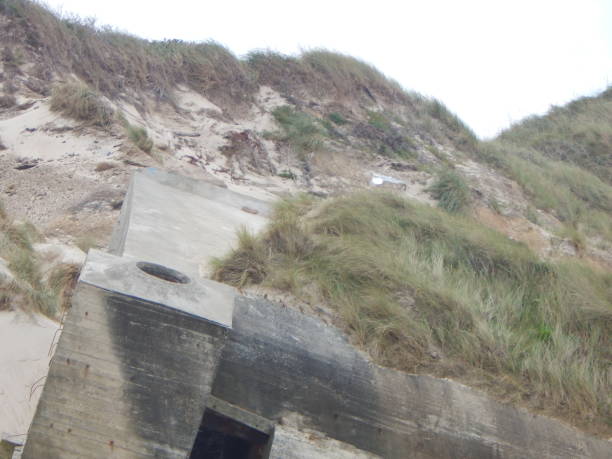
(451, 191)
(28, 288)
(79, 102)
(299, 129)
(140, 137)
(425, 290)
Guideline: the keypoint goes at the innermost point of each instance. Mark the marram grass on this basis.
(423, 290)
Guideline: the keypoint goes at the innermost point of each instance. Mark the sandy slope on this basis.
(25, 342)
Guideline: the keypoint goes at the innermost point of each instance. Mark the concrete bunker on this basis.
(156, 361)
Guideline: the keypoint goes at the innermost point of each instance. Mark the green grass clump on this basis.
(78, 102)
(287, 174)
(422, 289)
(337, 119)
(140, 137)
(379, 121)
(299, 129)
(451, 191)
(29, 289)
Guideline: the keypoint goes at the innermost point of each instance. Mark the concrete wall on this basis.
(294, 443)
(181, 223)
(278, 362)
(131, 375)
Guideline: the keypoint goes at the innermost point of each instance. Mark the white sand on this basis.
(45, 143)
(24, 362)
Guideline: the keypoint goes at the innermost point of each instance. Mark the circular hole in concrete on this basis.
(162, 272)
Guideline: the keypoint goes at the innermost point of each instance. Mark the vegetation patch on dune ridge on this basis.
(423, 290)
(563, 162)
(300, 130)
(121, 65)
(578, 198)
(579, 133)
(79, 102)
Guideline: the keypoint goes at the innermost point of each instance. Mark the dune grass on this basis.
(79, 102)
(324, 73)
(29, 289)
(139, 137)
(578, 198)
(300, 130)
(451, 191)
(579, 133)
(424, 290)
(119, 65)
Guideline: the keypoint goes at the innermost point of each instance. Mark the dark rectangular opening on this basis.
(220, 437)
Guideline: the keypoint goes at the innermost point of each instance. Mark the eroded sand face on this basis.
(25, 344)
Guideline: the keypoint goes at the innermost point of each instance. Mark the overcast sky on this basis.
(492, 61)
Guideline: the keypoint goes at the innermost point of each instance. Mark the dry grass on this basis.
(28, 289)
(78, 102)
(114, 62)
(121, 65)
(105, 166)
(562, 160)
(323, 74)
(86, 242)
(423, 290)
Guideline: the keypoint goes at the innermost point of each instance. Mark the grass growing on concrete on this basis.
(78, 102)
(424, 290)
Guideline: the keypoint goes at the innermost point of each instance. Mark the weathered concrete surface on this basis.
(130, 377)
(203, 298)
(181, 223)
(277, 362)
(291, 443)
(240, 415)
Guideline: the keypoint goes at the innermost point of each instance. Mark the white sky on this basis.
(490, 61)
